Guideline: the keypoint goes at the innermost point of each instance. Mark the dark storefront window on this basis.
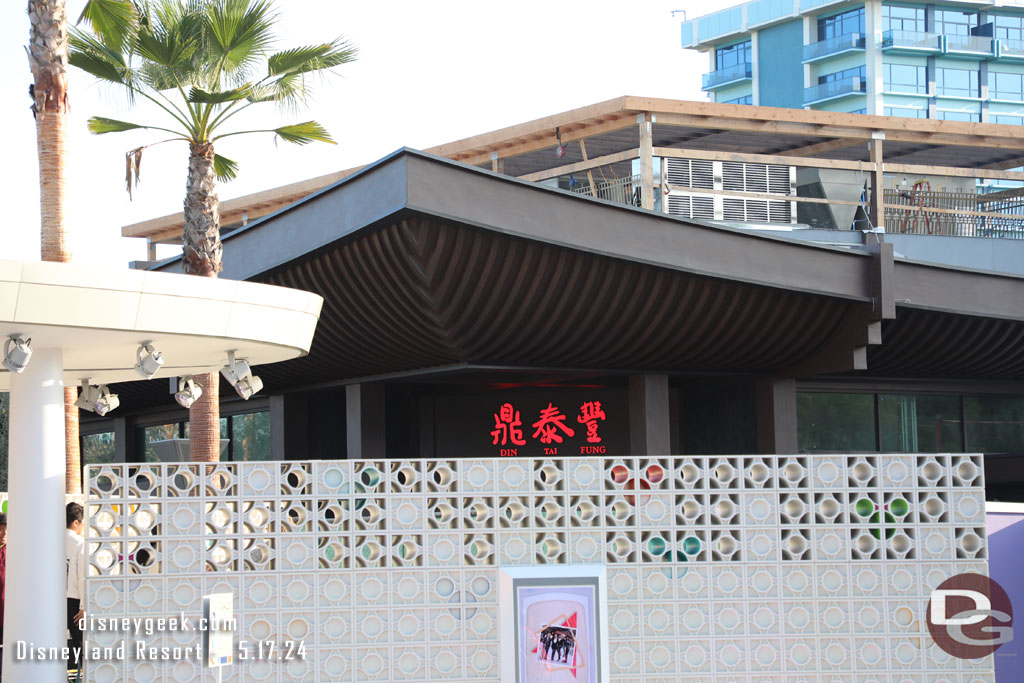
(250, 437)
(97, 449)
(910, 423)
(995, 424)
(835, 422)
(920, 424)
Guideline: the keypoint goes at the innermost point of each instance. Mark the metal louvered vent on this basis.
(703, 174)
(690, 173)
(756, 178)
(734, 209)
(677, 172)
(689, 206)
(780, 212)
(778, 180)
(733, 177)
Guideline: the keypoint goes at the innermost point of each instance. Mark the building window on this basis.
(841, 24)
(859, 111)
(905, 78)
(1009, 28)
(746, 99)
(247, 434)
(910, 423)
(896, 18)
(957, 82)
(97, 449)
(906, 112)
(995, 425)
(958, 116)
(920, 424)
(951, 22)
(733, 55)
(835, 422)
(856, 72)
(1003, 86)
(1008, 120)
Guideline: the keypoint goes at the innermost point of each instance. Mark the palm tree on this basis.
(48, 59)
(197, 61)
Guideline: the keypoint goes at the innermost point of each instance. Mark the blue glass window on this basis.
(1003, 86)
(951, 22)
(1009, 120)
(1009, 28)
(896, 18)
(906, 112)
(841, 24)
(905, 78)
(859, 111)
(855, 72)
(732, 55)
(957, 82)
(746, 99)
(958, 116)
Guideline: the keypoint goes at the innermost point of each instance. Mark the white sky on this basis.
(428, 72)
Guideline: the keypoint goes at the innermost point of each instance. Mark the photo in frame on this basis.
(553, 618)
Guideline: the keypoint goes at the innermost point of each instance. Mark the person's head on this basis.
(75, 514)
(3, 529)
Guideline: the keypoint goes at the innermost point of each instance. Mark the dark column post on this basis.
(364, 411)
(776, 415)
(289, 427)
(124, 439)
(649, 431)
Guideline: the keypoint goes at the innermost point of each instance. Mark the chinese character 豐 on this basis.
(507, 426)
(550, 419)
(590, 413)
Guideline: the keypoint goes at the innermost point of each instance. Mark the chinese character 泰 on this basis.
(590, 413)
(550, 418)
(506, 426)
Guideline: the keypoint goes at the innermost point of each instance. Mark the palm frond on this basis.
(311, 58)
(225, 168)
(204, 97)
(240, 31)
(113, 21)
(132, 169)
(170, 37)
(92, 56)
(304, 133)
(98, 125)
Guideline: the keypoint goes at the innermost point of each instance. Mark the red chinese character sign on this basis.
(549, 430)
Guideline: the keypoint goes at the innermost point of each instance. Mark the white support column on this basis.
(755, 70)
(34, 611)
(873, 57)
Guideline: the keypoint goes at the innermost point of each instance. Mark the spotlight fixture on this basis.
(560, 148)
(151, 363)
(238, 374)
(188, 391)
(17, 351)
(97, 399)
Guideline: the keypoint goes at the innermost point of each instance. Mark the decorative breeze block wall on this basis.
(810, 568)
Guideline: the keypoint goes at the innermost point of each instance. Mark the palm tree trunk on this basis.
(202, 255)
(48, 59)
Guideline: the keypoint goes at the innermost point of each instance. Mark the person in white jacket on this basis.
(74, 546)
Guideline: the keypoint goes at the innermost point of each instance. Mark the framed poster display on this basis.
(552, 624)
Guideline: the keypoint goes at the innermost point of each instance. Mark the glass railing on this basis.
(1013, 48)
(831, 46)
(832, 89)
(729, 74)
(918, 40)
(981, 44)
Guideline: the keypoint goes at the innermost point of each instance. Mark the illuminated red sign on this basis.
(550, 428)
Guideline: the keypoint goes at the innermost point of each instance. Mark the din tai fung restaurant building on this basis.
(470, 313)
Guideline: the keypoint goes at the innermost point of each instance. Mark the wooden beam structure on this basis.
(582, 165)
(876, 207)
(767, 195)
(825, 147)
(646, 163)
(842, 164)
(951, 172)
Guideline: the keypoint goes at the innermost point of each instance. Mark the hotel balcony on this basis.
(968, 47)
(851, 42)
(1010, 50)
(727, 76)
(833, 90)
(911, 42)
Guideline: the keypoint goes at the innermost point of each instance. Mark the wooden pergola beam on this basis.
(582, 165)
(824, 147)
(673, 152)
(953, 172)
